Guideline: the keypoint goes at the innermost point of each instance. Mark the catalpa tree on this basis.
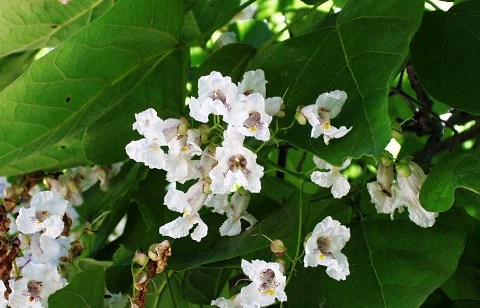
(186, 153)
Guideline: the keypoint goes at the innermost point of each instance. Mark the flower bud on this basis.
(403, 168)
(387, 159)
(204, 138)
(206, 187)
(397, 132)
(278, 248)
(183, 127)
(280, 114)
(140, 258)
(300, 118)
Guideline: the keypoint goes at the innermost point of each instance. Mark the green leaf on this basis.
(452, 171)
(45, 112)
(201, 285)
(105, 140)
(165, 291)
(444, 55)
(392, 264)
(359, 54)
(84, 290)
(212, 14)
(464, 284)
(29, 25)
(13, 66)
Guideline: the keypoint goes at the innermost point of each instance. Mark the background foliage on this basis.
(404, 63)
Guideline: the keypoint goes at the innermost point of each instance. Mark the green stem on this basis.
(299, 236)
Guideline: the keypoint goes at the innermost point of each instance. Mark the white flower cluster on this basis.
(219, 169)
(388, 195)
(40, 226)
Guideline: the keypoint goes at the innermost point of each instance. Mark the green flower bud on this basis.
(278, 248)
(403, 168)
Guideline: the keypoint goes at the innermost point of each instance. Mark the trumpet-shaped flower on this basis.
(45, 249)
(385, 194)
(252, 120)
(45, 214)
(410, 189)
(268, 284)
(253, 82)
(216, 95)
(324, 246)
(327, 106)
(37, 283)
(188, 204)
(236, 165)
(147, 151)
(332, 178)
(235, 211)
(179, 164)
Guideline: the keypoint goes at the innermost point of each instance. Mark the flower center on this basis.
(41, 216)
(323, 246)
(268, 284)
(324, 117)
(217, 94)
(254, 121)
(33, 290)
(237, 162)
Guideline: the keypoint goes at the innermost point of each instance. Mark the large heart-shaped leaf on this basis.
(392, 264)
(85, 290)
(359, 54)
(29, 25)
(44, 113)
(452, 171)
(444, 54)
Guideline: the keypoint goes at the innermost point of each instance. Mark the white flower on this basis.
(149, 125)
(324, 246)
(3, 300)
(236, 211)
(236, 165)
(179, 164)
(252, 120)
(45, 249)
(331, 178)
(268, 284)
(157, 133)
(216, 95)
(253, 82)
(45, 214)
(218, 202)
(273, 105)
(410, 189)
(188, 204)
(385, 194)
(326, 107)
(38, 282)
(222, 302)
(147, 151)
